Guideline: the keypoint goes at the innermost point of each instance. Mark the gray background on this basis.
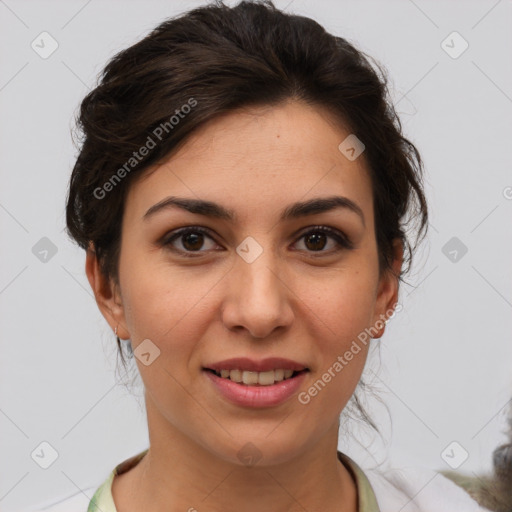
(445, 364)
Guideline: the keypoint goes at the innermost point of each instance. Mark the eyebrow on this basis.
(293, 211)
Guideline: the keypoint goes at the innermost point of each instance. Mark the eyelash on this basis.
(342, 240)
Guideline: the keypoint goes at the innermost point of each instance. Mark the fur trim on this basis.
(494, 491)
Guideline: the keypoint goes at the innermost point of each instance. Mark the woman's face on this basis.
(265, 283)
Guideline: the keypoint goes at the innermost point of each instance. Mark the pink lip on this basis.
(251, 365)
(256, 396)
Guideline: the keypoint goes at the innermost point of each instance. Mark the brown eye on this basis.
(192, 241)
(189, 240)
(317, 239)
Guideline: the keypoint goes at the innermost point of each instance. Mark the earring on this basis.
(129, 349)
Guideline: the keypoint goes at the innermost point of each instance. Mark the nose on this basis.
(258, 297)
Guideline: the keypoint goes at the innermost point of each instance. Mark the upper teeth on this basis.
(251, 378)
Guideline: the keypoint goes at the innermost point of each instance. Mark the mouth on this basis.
(253, 378)
(249, 383)
(253, 372)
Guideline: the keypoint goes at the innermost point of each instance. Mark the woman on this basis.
(242, 193)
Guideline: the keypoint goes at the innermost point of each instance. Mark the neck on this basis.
(178, 474)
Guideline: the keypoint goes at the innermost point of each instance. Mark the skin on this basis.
(295, 301)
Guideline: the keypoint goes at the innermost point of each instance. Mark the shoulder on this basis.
(93, 499)
(77, 502)
(419, 490)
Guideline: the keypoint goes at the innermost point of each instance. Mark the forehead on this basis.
(259, 157)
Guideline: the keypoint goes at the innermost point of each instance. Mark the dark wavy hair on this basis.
(225, 58)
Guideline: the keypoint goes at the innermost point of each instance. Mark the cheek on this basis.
(159, 298)
(340, 310)
(343, 302)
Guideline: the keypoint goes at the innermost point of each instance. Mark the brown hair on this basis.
(216, 59)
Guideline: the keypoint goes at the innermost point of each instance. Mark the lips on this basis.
(268, 394)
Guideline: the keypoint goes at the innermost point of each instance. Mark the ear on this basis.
(387, 293)
(106, 293)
